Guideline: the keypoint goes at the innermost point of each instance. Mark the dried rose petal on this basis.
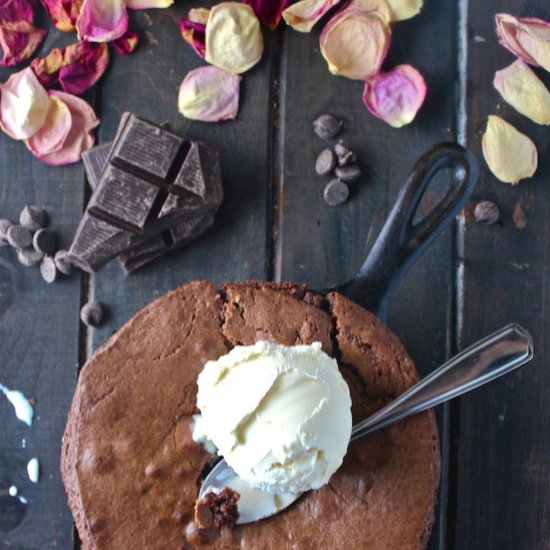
(521, 88)
(534, 38)
(209, 94)
(510, 155)
(76, 67)
(53, 133)
(146, 4)
(526, 37)
(102, 20)
(355, 42)
(79, 138)
(19, 38)
(268, 11)
(303, 15)
(127, 43)
(193, 29)
(24, 105)
(395, 96)
(18, 46)
(234, 40)
(380, 7)
(63, 13)
(404, 9)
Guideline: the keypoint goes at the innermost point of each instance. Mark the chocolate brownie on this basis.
(132, 470)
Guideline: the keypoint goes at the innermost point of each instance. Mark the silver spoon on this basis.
(489, 358)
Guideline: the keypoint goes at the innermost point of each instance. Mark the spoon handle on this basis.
(497, 354)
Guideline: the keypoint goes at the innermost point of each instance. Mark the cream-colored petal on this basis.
(24, 104)
(303, 15)
(234, 40)
(209, 94)
(520, 87)
(510, 155)
(404, 9)
(355, 43)
(537, 45)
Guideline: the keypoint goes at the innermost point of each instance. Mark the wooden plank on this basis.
(503, 478)
(147, 83)
(39, 350)
(324, 246)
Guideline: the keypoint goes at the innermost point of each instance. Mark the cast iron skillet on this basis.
(401, 242)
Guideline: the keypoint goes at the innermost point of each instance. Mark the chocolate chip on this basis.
(348, 173)
(33, 217)
(48, 269)
(92, 315)
(327, 127)
(325, 163)
(29, 257)
(44, 241)
(62, 264)
(4, 226)
(345, 156)
(486, 213)
(19, 236)
(336, 193)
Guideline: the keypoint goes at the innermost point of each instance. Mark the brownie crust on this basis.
(132, 471)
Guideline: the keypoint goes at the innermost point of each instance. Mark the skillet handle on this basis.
(400, 243)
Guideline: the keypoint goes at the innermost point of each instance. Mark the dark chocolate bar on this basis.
(152, 191)
(181, 234)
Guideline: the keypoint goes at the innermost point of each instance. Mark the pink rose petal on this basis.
(193, 29)
(395, 96)
(209, 94)
(526, 37)
(53, 133)
(19, 38)
(102, 20)
(303, 15)
(127, 43)
(146, 4)
(63, 13)
(76, 67)
(79, 138)
(24, 105)
(268, 11)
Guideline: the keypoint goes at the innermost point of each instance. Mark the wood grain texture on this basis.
(324, 246)
(504, 439)
(39, 347)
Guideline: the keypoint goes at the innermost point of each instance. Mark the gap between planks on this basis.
(451, 413)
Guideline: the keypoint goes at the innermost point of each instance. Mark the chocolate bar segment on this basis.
(94, 161)
(172, 239)
(148, 149)
(124, 200)
(93, 238)
(155, 191)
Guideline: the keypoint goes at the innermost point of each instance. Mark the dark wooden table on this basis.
(495, 491)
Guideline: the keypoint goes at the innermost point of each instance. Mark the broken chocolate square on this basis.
(153, 191)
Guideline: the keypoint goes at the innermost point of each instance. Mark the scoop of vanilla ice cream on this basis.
(279, 415)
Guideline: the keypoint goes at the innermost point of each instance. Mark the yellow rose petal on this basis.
(510, 155)
(521, 88)
(404, 9)
(234, 40)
